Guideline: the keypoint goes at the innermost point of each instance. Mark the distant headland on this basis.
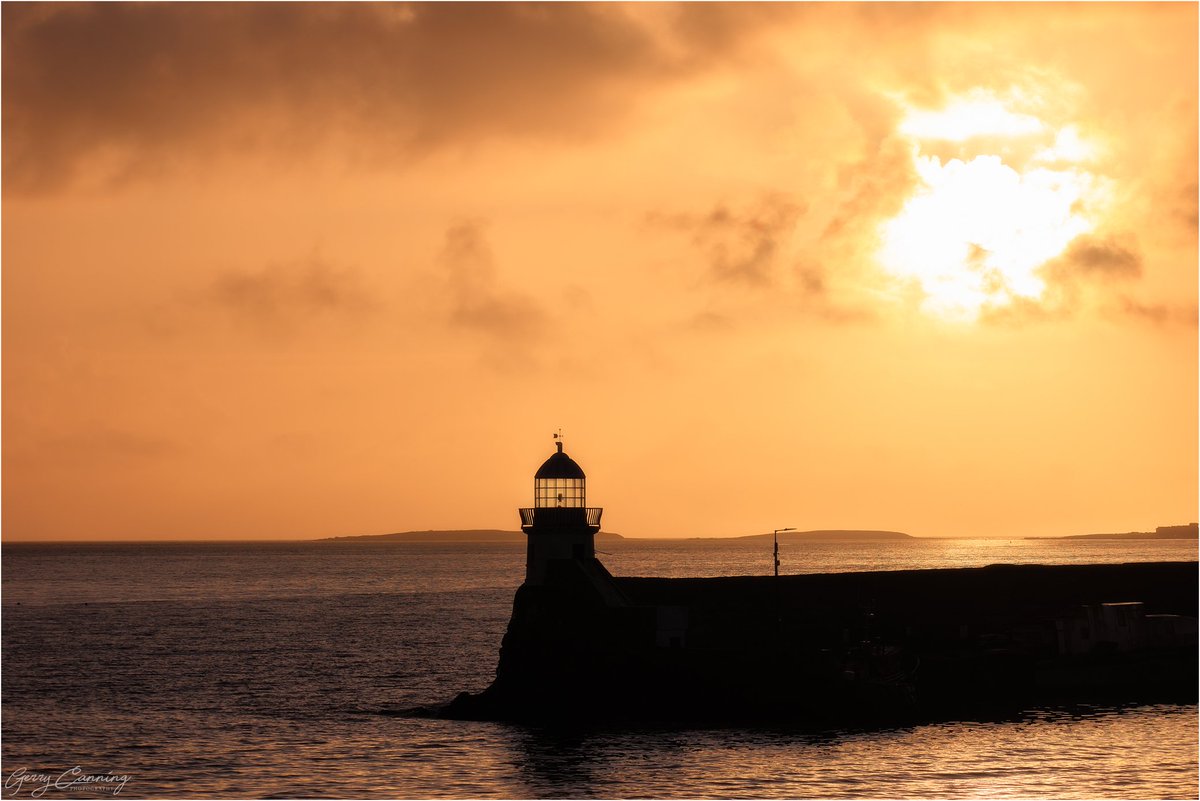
(831, 534)
(1185, 532)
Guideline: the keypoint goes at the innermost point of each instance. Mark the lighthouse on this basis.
(560, 524)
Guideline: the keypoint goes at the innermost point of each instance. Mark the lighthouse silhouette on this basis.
(560, 524)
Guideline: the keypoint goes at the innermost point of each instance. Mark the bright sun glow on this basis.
(967, 119)
(976, 232)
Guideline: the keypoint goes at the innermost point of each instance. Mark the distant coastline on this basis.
(1186, 532)
(497, 535)
(829, 534)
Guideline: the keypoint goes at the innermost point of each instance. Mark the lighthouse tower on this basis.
(560, 524)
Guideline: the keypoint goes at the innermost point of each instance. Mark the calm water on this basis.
(275, 670)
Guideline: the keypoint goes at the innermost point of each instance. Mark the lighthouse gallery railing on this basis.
(562, 515)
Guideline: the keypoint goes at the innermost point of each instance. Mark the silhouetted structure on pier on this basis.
(826, 649)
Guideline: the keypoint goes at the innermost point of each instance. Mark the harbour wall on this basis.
(845, 648)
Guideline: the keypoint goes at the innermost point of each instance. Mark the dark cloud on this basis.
(476, 300)
(1159, 313)
(812, 280)
(285, 297)
(1020, 311)
(1098, 267)
(739, 246)
(1187, 207)
(1097, 258)
(1089, 265)
(743, 248)
(815, 297)
(1059, 306)
(872, 189)
(139, 86)
(1094, 272)
(278, 302)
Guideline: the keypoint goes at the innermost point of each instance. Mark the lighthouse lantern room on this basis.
(559, 482)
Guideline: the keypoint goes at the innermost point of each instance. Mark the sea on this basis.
(289, 669)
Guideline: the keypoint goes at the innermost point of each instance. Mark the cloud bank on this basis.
(129, 89)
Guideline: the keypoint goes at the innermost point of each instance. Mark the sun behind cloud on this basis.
(978, 229)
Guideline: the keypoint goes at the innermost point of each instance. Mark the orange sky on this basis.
(299, 271)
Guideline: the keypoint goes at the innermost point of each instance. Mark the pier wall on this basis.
(838, 649)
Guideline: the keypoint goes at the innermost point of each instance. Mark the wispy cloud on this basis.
(755, 247)
(277, 302)
(742, 245)
(1162, 314)
(284, 297)
(477, 301)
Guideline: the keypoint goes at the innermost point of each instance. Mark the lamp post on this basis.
(777, 547)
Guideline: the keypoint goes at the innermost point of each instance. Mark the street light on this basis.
(777, 547)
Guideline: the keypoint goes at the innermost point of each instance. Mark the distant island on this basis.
(1186, 532)
(465, 535)
(831, 534)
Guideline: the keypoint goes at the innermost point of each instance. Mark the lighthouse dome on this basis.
(559, 466)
